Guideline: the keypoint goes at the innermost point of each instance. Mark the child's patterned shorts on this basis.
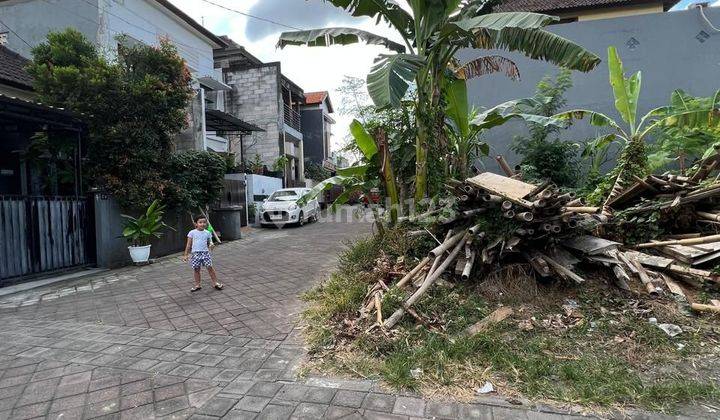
(200, 259)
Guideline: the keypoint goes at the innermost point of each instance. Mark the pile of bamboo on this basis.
(546, 228)
(538, 217)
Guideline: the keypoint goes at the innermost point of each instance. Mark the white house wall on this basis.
(33, 19)
(148, 22)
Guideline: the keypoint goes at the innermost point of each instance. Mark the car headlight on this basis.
(293, 207)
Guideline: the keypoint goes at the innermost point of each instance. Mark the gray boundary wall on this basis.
(674, 50)
(112, 248)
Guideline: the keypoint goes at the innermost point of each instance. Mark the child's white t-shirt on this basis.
(200, 240)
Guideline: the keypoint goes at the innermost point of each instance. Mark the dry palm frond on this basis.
(487, 65)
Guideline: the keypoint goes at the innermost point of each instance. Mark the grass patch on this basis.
(610, 356)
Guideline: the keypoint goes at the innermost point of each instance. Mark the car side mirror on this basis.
(265, 200)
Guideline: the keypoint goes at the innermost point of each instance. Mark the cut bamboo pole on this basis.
(690, 241)
(574, 203)
(525, 216)
(644, 277)
(395, 317)
(447, 244)
(468, 266)
(562, 270)
(504, 165)
(586, 210)
(708, 216)
(705, 308)
(413, 272)
(378, 308)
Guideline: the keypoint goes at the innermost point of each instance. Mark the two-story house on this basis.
(261, 95)
(147, 21)
(317, 126)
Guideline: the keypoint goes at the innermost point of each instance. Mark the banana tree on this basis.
(465, 124)
(631, 131)
(432, 33)
(464, 137)
(374, 170)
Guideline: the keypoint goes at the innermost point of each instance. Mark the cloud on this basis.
(297, 13)
(319, 68)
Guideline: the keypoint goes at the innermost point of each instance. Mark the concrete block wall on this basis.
(674, 50)
(255, 98)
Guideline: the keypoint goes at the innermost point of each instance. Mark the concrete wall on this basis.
(148, 22)
(33, 19)
(674, 50)
(112, 247)
(101, 21)
(313, 136)
(255, 98)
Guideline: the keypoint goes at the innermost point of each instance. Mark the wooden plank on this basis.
(14, 230)
(590, 245)
(22, 244)
(509, 188)
(650, 260)
(707, 258)
(563, 257)
(496, 316)
(43, 237)
(681, 253)
(3, 244)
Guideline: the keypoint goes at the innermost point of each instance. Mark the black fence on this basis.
(42, 234)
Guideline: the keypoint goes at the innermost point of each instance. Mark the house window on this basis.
(3, 38)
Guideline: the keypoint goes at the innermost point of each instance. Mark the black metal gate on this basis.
(41, 234)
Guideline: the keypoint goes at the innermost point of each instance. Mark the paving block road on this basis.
(134, 343)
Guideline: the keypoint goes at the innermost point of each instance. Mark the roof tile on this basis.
(546, 6)
(12, 69)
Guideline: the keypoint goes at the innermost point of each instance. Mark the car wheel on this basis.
(301, 219)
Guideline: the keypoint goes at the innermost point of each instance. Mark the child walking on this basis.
(198, 240)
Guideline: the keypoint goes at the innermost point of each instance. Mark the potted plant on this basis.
(139, 231)
(280, 164)
(256, 164)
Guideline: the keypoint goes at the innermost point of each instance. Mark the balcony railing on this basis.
(292, 117)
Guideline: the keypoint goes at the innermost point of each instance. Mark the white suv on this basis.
(282, 208)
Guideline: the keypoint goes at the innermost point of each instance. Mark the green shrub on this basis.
(197, 178)
(133, 106)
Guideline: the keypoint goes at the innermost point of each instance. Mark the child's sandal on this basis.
(195, 289)
(219, 286)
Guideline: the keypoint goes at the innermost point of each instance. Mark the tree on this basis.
(633, 161)
(432, 33)
(543, 158)
(374, 170)
(134, 107)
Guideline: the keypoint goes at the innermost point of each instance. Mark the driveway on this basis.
(135, 343)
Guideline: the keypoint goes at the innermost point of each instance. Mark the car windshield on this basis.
(284, 196)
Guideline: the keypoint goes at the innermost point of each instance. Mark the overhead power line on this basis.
(251, 16)
(15, 33)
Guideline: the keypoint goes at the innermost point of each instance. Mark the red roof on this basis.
(316, 98)
(545, 6)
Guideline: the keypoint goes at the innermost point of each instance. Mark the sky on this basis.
(313, 69)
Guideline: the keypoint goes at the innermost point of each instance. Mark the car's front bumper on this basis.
(279, 216)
